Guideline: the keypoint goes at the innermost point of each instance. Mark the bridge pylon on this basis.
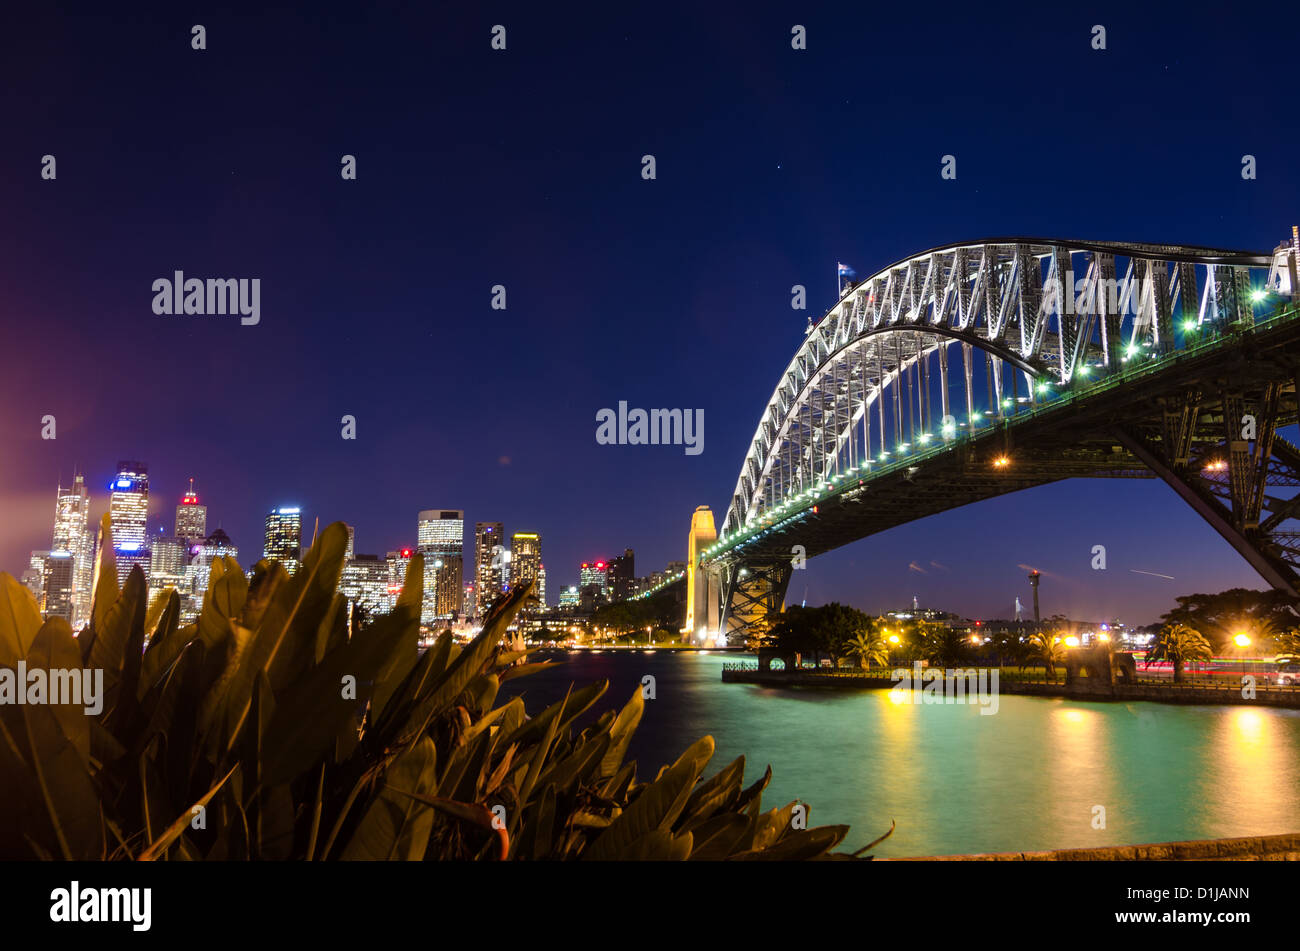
(752, 593)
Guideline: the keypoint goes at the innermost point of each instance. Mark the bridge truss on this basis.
(976, 369)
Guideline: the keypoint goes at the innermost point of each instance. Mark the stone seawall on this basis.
(1080, 690)
(1271, 848)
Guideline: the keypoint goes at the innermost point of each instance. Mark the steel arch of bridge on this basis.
(871, 383)
(1002, 296)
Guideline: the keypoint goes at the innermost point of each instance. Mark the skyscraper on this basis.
(621, 575)
(397, 562)
(541, 588)
(217, 545)
(364, 582)
(440, 537)
(34, 576)
(128, 506)
(525, 558)
(594, 574)
(284, 537)
(58, 586)
(191, 518)
(489, 564)
(72, 534)
(169, 567)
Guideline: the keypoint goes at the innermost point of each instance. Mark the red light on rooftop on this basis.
(406, 553)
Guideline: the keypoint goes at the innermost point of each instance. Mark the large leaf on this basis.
(182, 822)
(629, 718)
(71, 804)
(799, 845)
(165, 644)
(465, 667)
(310, 714)
(56, 650)
(403, 661)
(119, 636)
(656, 807)
(20, 619)
(292, 617)
(397, 826)
(105, 583)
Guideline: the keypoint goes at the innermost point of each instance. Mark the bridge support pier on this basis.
(751, 594)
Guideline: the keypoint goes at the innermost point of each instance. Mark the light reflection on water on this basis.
(1029, 777)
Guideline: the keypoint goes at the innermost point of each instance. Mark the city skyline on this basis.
(156, 529)
(609, 299)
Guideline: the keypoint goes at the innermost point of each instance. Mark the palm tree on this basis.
(1047, 646)
(869, 649)
(1179, 643)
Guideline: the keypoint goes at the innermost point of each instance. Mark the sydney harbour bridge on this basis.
(977, 369)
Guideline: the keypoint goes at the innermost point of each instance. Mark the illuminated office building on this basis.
(128, 506)
(58, 585)
(594, 573)
(34, 576)
(525, 558)
(621, 575)
(217, 545)
(440, 537)
(72, 534)
(191, 518)
(490, 564)
(169, 567)
(284, 537)
(365, 583)
(397, 562)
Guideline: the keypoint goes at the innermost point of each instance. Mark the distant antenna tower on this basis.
(916, 605)
(1033, 583)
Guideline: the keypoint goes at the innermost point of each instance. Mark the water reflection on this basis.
(1029, 777)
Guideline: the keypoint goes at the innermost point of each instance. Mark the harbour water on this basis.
(1029, 777)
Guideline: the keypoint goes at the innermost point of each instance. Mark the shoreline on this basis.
(1252, 848)
(1225, 695)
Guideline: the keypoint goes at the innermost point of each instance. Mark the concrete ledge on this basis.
(1274, 848)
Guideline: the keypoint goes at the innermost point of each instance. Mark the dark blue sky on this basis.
(522, 168)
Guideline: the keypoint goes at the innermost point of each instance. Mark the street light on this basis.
(1241, 640)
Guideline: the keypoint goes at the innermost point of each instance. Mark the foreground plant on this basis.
(276, 727)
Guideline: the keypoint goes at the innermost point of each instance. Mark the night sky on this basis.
(523, 168)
